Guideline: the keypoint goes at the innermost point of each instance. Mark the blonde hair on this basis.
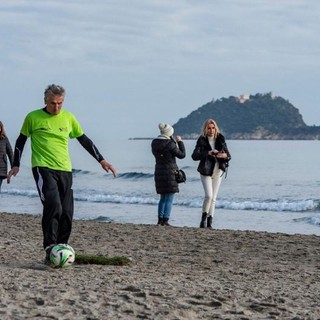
(2, 131)
(204, 130)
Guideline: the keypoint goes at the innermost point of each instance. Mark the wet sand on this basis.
(176, 273)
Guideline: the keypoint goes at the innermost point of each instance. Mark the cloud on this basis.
(103, 34)
(162, 55)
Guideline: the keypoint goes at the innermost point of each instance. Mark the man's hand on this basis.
(13, 172)
(108, 166)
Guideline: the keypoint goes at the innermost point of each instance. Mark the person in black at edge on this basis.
(50, 129)
(6, 154)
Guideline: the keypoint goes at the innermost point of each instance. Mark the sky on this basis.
(128, 65)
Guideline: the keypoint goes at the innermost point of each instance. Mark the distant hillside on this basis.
(259, 116)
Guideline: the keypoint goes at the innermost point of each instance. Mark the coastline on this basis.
(176, 273)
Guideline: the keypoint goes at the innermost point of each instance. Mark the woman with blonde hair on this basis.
(212, 151)
(5, 154)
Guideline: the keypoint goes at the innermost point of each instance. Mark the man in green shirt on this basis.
(50, 129)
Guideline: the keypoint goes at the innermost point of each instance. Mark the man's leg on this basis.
(47, 185)
(66, 196)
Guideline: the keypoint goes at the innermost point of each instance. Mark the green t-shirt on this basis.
(50, 138)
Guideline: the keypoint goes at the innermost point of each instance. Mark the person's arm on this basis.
(199, 152)
(224, 153)
(179, 151)
(93, 150)
(90, 147)
(18, 149)
(9, 152)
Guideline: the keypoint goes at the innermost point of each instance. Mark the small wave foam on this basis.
(280, 205)
(113, 198)
(135, 175)
(102, 219)
(271, 205)
(258, 205)
(310, 220)
(22, 192)
(79, 171)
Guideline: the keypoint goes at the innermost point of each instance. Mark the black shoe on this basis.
(203, 220)
(166, 222)
(160, 222)
(209, 222)
(47, 260)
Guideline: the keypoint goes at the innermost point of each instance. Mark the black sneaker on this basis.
(47, 260)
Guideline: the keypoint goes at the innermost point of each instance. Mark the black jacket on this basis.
(5, 153)
(165, 152)
(207, 162)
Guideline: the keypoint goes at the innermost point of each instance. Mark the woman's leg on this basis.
(164, 208)
(211, 185)
(161, 206)
(207, 188)
(215, 186)
(168, 205)
(161, 209)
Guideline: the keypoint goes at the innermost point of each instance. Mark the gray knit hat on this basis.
(166, 129)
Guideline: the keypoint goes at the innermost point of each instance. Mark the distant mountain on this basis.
(259, 116)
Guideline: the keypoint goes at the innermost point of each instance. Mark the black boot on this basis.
(203, 220)
(209, 222)
(160, 222)
(166, 222)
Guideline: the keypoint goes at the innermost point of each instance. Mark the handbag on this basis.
(180, 176)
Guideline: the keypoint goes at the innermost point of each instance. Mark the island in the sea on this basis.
(249, 117)
(259, 116)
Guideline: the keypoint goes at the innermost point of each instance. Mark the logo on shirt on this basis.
(65, 129)
(45, 129)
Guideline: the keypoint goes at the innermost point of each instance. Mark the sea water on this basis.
(270, 186)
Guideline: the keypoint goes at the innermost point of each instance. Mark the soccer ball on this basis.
(62, 256)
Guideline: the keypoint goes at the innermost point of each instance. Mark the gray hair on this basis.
(54, 90)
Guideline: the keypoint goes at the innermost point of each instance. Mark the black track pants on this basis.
(56, 195)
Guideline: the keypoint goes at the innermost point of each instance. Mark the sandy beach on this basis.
(176, 273)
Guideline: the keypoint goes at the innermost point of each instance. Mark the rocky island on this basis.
(251, 117)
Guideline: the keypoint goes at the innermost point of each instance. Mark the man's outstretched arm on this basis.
(93, 150)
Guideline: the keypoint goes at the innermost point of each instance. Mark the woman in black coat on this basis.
(5, 154)
(212, 151)
(165, 151)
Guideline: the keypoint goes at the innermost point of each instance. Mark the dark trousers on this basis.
(54, 188)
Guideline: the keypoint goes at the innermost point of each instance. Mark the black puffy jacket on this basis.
(165, 152)
(207, 162)
(5, 153)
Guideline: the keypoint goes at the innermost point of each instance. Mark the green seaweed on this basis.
(104, 260)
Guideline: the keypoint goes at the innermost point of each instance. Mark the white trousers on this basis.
(211, 185)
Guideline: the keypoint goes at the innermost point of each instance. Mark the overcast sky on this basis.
(129, 64)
